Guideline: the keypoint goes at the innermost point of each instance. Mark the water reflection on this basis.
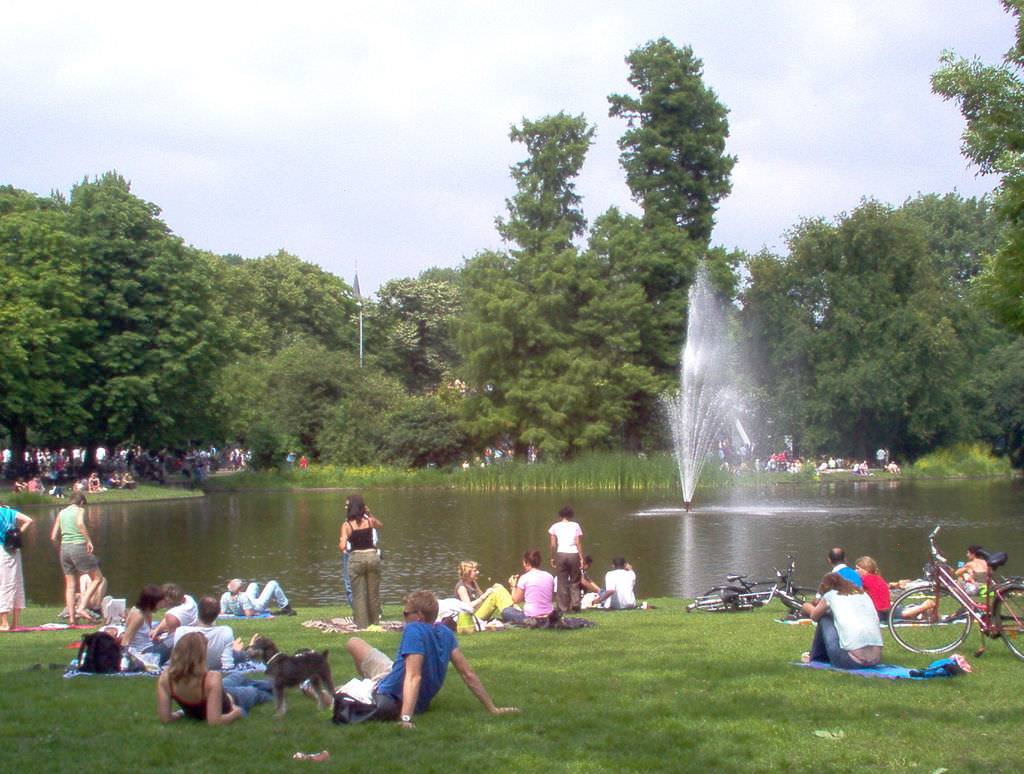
(293, 537)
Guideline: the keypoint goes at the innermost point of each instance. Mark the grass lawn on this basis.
(658, 690)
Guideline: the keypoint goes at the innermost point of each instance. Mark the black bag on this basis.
(348, 710)
(12, 539)
(99, 653)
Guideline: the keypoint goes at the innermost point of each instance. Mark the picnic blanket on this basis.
(244, 668)
(347, 625)
(264, 614)
(944, 667)
(50, 627)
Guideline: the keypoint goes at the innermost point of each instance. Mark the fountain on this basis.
(699, 412)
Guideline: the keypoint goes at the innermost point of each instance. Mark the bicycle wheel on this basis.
(1008, 615)
(939, 622)
(796, 597)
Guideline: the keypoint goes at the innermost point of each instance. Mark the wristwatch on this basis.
(406, 718)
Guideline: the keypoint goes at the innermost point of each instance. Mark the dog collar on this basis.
(273, 658)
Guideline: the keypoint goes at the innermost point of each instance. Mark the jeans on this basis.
(348, 580)
(272, 589)
(825, 646)
(246, 693)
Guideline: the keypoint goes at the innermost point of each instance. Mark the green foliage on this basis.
(306, 398)
(410, 331)
(959, 460)
(605, 471)
(548, 334)
(424, 432)
(865, 338)
(276, 300)
(674, 149)
(991, 98)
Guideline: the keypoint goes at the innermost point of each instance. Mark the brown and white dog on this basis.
(285, 671)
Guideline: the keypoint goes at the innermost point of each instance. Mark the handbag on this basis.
(349, 710)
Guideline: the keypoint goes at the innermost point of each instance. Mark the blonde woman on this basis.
(489, 604)
(201, 693)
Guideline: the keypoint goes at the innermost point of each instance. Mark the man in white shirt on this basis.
(220, 652)
(619, 585)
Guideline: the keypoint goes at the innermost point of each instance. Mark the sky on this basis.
(373, 137)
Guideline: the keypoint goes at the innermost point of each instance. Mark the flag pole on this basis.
(359, 300)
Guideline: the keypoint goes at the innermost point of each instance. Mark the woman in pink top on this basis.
(535, 588)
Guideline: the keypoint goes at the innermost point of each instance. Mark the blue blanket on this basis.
(945, 667)
(264, 614)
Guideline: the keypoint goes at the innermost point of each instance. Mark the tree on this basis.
(673, 153)
(674, 149)
(991, 99)
(411, 329)
(278, 299)
(145, 321)
(546, 333)
(307, 398)
(39, 299)
(864, 339)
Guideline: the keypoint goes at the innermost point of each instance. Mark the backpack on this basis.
(99, 653)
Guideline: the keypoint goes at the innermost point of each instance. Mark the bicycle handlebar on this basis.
(936, 554)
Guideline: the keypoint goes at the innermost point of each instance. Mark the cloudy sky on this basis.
(375, 135)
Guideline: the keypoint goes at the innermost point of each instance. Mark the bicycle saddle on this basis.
(995, 560)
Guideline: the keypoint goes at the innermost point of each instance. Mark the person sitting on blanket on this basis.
(534, 589)
(182, 611)
(587, 586)
(837, 561)
(241, 600)
(489, 604)
(620, 584)
(138, 622)
(875, 586)
(847, 635)
(407, 685)
(223, 651)
(201, 693)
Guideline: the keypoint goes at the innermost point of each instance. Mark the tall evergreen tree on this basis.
(546, 334)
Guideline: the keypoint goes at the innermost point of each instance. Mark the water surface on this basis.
(293, 536)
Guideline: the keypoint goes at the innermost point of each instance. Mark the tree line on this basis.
(875, 328)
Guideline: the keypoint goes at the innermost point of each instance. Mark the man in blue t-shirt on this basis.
(407, 685)
(837, 558)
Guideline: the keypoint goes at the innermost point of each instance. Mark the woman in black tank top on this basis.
(200, 693)
(362, 559)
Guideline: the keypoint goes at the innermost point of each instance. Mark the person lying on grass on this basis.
(409, 683)
(203, 694)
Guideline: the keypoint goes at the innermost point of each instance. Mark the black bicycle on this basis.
(739, 593)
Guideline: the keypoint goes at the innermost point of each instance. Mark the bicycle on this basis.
(941, 612)
(738, 593)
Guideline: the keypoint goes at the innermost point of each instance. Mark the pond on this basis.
(293, 536)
